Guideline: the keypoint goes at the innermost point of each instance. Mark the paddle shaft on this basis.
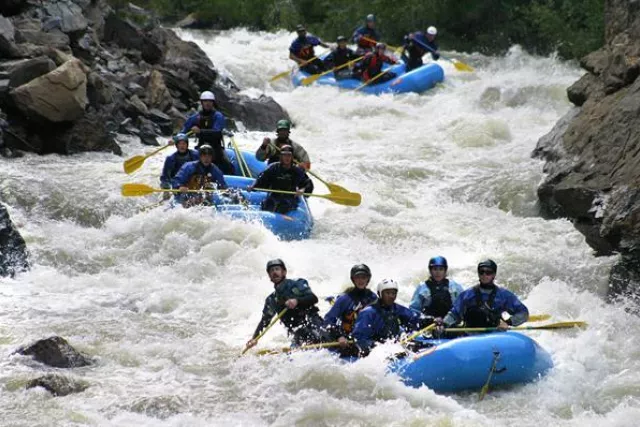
(561, 325)
(244, 168)
(416, 334)
(264, 331)
(313, 78)
(462, 67)
(368, 82)
(297, 163)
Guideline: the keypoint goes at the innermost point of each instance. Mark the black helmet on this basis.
(490, 264)
(360, 269)
(286, 149)
(341, 39)
(300, 28)
(275, 263)
(205, 149)
(438, 261)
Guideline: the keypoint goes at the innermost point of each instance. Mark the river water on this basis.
(166, 300)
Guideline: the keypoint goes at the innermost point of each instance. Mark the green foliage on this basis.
(572, 27)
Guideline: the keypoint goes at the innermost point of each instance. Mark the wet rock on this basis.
(135, 89)
(163, 121)
(7, 38)
(54, 38)
(135, 107)
(13, 249)
(99, 90)
(56, 352)
(127, 35)
(12, 7)
(58, 96)
(149, 131)
(58, 385)
(593, 154)
(93, 132)
(255, 114)
(69, 13)
(30, 69)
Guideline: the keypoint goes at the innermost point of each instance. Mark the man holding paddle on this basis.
(175, 161)
(417, 44)
(370, 69)
(298, 302)
(340, 56)
(485, 304)
(366, 36)
(199, 175)
(301, 51)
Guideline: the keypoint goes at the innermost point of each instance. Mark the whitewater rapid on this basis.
(167, 299)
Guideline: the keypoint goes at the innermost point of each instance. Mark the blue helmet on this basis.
(438, 261)
(181, 137)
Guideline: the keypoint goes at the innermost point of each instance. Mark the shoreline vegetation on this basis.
(572, 28)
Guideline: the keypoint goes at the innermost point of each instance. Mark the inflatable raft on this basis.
(467, 363)
(419, 80)
(296, 224)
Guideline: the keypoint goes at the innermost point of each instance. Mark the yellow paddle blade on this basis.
(279, 76)
(133, 164)
(539, 317)
(136, 190)
(558, 325)
(312, 78)
(461, 66)
(345, 198)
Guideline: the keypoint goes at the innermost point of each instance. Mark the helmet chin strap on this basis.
(488, 285)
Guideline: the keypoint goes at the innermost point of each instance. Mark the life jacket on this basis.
(371, 35)
(372, 65)
(284, 180)
(341, 56)
(205, 122)
(200, 178)
(391, 323)
(482, 314)
(441, 301)
(306, 50)
(181, 160)
(349, 318)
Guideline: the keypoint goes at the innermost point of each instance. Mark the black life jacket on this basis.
(207, 135)
(285, 180)
(482, 314)
(391, 328)
(441, 301)
(341, 56)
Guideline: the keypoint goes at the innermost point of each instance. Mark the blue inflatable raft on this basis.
(466, 363)
(296, 224)
(419, 80)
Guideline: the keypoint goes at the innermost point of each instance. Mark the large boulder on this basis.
(56, 352)
(593, 154)
(13, 249)
(158, 95)
(69, 14)
(58, 96)
(30, 69)
(127, 35)
(255, 114)
(58, 385)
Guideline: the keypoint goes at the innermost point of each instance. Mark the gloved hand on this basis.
(438, 331)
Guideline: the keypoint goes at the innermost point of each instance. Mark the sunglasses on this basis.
(486, 272)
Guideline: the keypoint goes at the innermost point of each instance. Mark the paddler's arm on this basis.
(307, 298)
(518, 311)
(268, 312)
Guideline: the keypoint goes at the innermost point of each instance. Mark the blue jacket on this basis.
(420, 41)
(422, 296)
(299, 316)
(201, 174)
(339, 321)
(367, 32)
(377, 324)
(172, 165)
(217, 122)
(303, 47)
(504, 301)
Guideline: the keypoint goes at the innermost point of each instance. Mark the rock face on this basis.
(73, 72)
(56, 352)
(13, 250)
(593, 153)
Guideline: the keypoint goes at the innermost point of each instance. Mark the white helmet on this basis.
(387, 284)
(207, 96)
(432, 30)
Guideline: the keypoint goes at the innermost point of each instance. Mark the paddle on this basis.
(286, 73)
(308, 80)
(244, 169)
(368, 82)
(538, 317)
(559, 325)
(264, 331)
(133, 164)
(485, 388)
(333, 188)
(137, 190)
(416, 334)
(346, 199)
(397, 49)
(302, 347)
(460, 66)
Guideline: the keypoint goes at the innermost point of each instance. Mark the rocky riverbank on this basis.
(593, 154)
(74, 73)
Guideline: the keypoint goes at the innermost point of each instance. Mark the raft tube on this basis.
(465, 363)
(418, 80)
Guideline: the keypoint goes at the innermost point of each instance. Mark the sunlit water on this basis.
(166, 299)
